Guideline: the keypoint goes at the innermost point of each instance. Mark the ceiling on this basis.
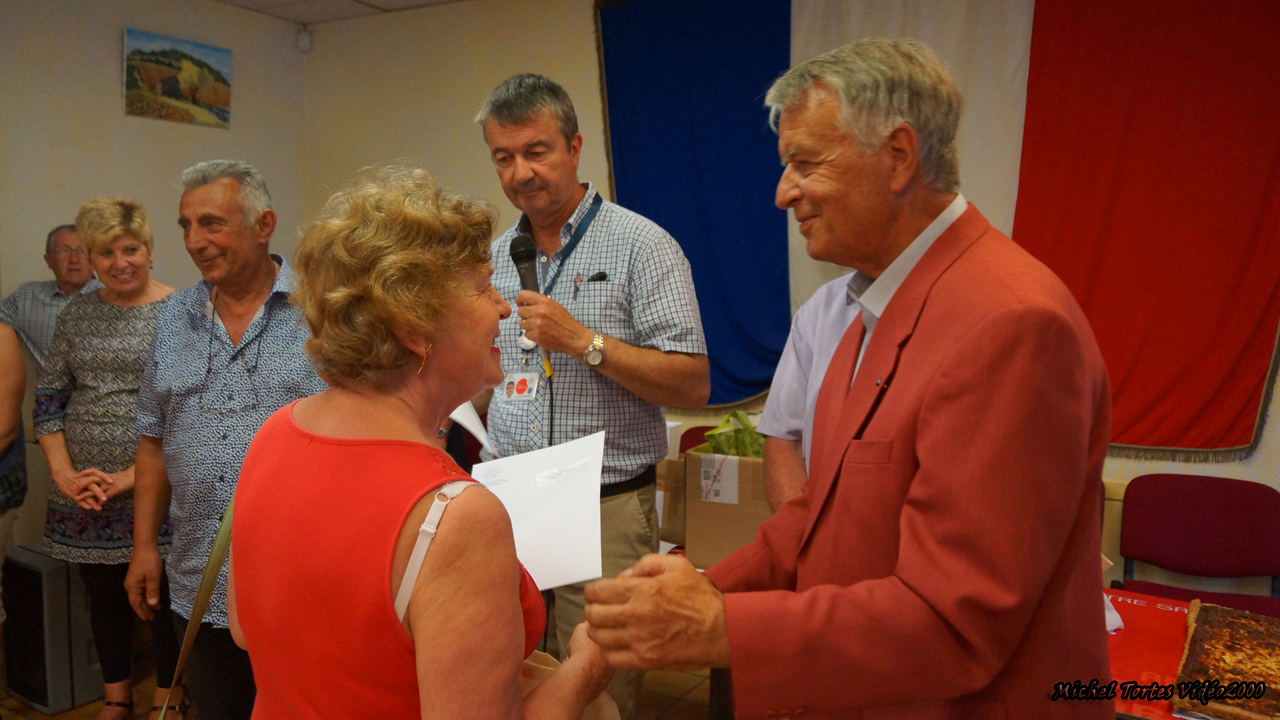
(309, 12)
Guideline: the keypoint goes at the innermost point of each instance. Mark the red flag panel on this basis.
(1150, 182)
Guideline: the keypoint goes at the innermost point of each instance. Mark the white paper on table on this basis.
(1114, 622)
(553, 498)
(720, 479)
(467, 417)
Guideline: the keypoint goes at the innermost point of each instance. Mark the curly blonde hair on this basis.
(388, 258)
(103, 219)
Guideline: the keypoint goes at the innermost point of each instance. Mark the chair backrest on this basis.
(693, 437)
(1207, 526)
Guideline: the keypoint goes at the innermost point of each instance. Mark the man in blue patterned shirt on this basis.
(617, 312)
(228, 353)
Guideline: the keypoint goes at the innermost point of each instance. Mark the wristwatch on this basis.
(594, 354)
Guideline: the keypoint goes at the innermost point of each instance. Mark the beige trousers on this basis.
(628, 531)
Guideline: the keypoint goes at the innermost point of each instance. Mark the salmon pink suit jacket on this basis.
(942, 561)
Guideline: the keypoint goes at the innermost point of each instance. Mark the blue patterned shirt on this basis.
(643, 296)
(206, 399)
(32, 311)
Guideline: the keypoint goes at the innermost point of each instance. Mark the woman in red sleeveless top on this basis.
(394, 283)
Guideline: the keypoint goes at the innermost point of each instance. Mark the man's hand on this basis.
(659, 614)
(143, 581)
(547, 323)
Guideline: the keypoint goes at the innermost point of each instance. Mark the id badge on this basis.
(519, 387)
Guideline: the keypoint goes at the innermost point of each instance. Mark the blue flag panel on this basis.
(692, 150)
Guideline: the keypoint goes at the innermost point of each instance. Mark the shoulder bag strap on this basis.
(207, 582)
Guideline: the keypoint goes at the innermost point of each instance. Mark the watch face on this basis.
(594, 356)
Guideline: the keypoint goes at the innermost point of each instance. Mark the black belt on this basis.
(646, 478)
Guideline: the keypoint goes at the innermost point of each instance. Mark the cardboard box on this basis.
(671, 483)
(724, 503)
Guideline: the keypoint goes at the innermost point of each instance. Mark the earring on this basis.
(441, 432)
(424, 359)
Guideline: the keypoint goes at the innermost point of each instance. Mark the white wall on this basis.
(407, 85)
(64, 137)
(373, 90)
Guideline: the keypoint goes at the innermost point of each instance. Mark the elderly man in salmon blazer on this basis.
(942, 561)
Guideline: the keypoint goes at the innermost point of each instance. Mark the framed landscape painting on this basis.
(172, 79)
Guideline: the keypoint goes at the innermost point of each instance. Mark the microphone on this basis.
(525, 256)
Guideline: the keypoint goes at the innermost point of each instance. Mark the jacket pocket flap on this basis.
(868, 452)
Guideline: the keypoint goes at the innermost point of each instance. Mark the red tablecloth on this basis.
(1148, 648)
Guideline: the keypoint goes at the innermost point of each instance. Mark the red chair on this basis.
(693, 437)
(1206, 526)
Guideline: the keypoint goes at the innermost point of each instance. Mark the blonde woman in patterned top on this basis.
(85, 404)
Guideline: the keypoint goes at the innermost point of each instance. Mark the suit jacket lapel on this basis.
(848, 410)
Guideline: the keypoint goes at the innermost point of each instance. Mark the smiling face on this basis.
(466, 351)
(214, 233)
(123, 266)
(537, 168)
(841, 198)
(68, 262)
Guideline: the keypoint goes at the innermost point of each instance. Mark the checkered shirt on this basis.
(647, 301)
(206, 399)
(32, 311)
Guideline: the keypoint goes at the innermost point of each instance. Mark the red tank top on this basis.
(315, 527)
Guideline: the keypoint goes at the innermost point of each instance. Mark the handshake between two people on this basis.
(661, 613)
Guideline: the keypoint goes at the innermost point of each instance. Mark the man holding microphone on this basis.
(615, 315)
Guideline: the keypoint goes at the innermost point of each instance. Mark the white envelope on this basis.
(466, 416)
(553, 498)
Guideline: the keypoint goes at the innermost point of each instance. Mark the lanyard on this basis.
(578, 232)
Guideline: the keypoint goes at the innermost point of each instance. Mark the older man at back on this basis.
(227, 353)
(27, 318)
(942, 561)
(32, 310)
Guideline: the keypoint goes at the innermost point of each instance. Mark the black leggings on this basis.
(112, 618)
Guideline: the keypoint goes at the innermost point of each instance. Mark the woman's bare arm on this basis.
(467, 626)
(13, 384)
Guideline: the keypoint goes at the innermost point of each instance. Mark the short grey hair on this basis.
(882, 83)
(48, 240)
(520, 97)
(254, 198)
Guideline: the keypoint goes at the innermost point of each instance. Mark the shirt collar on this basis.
(283, 284)
(92, 286)
(874, 294)
(567, 230)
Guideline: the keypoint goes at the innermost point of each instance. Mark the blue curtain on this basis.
(692, 151)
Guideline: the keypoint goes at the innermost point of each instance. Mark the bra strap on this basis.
(444, 494)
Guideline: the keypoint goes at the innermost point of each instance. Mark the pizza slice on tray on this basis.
(1232, 660)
